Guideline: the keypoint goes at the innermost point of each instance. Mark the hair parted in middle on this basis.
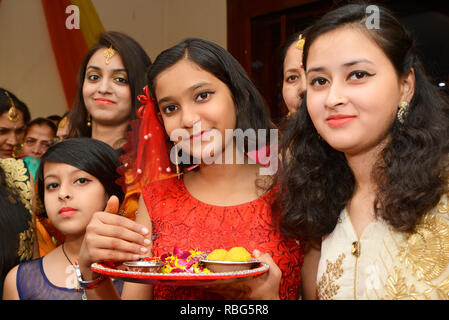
(41, 122)
(252, 112)
(140, 165)
(412, 170)
(136, 63)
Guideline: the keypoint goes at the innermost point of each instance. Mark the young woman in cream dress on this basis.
(368, 171)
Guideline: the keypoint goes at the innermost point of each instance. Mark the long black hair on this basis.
(411, 172)
(90, 155)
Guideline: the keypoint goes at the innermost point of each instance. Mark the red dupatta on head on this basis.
(146, 158)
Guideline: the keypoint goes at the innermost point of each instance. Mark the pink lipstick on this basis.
(102, 101)
(339, 120)
(67, 211)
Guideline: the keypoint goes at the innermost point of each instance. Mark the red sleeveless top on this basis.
(180, 220)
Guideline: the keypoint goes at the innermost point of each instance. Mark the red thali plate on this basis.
(179, 279)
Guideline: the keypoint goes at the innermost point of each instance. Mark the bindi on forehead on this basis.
(7, 124)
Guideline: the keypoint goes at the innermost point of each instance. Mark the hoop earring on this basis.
(402, 111)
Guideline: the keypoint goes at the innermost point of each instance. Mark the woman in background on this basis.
(110, 78)
(39, 136)
(14, 116)
(17, 235)
(293, 75)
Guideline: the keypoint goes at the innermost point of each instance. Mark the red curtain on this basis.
(69, 45)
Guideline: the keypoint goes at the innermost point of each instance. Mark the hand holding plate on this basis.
(110, 236)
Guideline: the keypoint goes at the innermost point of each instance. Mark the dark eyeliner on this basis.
(366, 73)
(314, 80)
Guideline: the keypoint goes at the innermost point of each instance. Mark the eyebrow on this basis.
(114, 70)
(12, 128)
(292, 70)
(191, 88)
(347, 64)
(317, 69)
(351, 63)
(56, 176)
(44, 141)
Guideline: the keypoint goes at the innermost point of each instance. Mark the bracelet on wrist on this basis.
(90, 284)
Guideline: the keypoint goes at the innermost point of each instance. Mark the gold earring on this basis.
(178, 171)
(17, 150)
(89, 120)
(402, 111)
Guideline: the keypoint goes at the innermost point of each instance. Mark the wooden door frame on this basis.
(239, 15)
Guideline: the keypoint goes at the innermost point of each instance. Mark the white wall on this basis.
(159, 24)
(27, 63)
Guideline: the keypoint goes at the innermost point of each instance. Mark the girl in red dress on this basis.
(201, 93)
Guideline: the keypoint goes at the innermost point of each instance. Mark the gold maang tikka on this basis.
(13, 115)
(301, 42)
(300, 46)
(62, 123)
(108, 54)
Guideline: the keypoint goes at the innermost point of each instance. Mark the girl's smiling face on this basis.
(71, 197)
(353, 90)
(106, 90)
(188, 95)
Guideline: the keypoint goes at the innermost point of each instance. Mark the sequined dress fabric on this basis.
(386, 264)
(180, 220)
